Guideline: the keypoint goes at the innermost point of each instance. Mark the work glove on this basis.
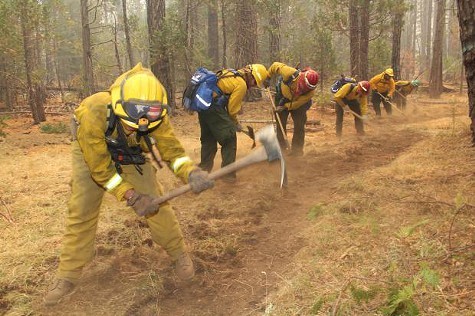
(279, 109)
(364, 117)
(199, 181)
(142, 204)
(238, 127)
(346, 108)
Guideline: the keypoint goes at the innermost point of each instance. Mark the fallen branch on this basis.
(335, 306)
(8, 217)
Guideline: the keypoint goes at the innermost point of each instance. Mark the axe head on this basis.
(268, 138)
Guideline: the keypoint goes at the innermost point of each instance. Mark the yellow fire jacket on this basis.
(348, 92)
(236, 88)
(91, 115)
(404, 87)
(378, 83)
(288, 91)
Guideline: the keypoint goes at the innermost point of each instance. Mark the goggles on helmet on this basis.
(137, 109)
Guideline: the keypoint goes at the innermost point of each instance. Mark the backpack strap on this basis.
(353, 85)
(292, 78)
(111, 120)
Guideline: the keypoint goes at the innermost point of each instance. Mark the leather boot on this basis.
(60, 289)
(184, 268)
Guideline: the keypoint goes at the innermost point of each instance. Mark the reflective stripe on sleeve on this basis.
(113, 182)
(180, 162)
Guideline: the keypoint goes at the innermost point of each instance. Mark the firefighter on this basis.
(219, 123)
(352, 96)
(294, 91)
(114, 129)
(403, 89)
(382, 86)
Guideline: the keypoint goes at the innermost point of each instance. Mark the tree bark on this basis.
(224, 58)
(274, 29)
(160, 59)
(116, 47)
(213, 33)
(88, 73)
(466, 12)
(130, 52)
(396, 43)
(427, 32)
(435, 82)
(364, 39)
(34, 88)
(246, 43)
(354, 38)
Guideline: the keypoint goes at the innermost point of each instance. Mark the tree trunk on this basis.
(130, 52)
(161, 61)
(274, 30)
(189, 31)
(88, 73)
(435, 82)
(354, 38)
(396, 45)
(364, 40)
(224, 58)
(34, 91)
(427, 35)
(213, 34)
(116, 47)
(246, 44)
(466, 12)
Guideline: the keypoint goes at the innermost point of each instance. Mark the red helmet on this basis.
(307, 81)
(364, 86)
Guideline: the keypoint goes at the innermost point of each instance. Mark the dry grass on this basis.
(389, 227)
(408, 219)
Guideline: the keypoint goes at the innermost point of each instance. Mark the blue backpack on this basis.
(341, 82)
(198, 95)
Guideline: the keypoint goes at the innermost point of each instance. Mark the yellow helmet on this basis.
(139, 99)
(389, 72)
(260, 74)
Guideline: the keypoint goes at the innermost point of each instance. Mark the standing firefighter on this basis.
(114, 128)
(219, 123)
(354, 96)
(382, 87)
(294, 92)
(403, 89)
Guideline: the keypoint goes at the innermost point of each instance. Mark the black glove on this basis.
(142, 204)
(199, 181)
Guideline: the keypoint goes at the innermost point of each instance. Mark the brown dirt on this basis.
(243, 236)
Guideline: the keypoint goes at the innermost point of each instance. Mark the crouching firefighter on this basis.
(114, 129)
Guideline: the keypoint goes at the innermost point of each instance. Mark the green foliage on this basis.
(459, 200)
(317, 306)
(54, 128)
(360, 294)
(2, 125)
(401, 299)
(315, 211)
(401, 302)
(379, 56)
(407, 231)
(429, 276)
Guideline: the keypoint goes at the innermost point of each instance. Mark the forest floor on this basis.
(373, 225)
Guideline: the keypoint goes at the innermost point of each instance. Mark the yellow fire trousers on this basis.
(83, 213)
